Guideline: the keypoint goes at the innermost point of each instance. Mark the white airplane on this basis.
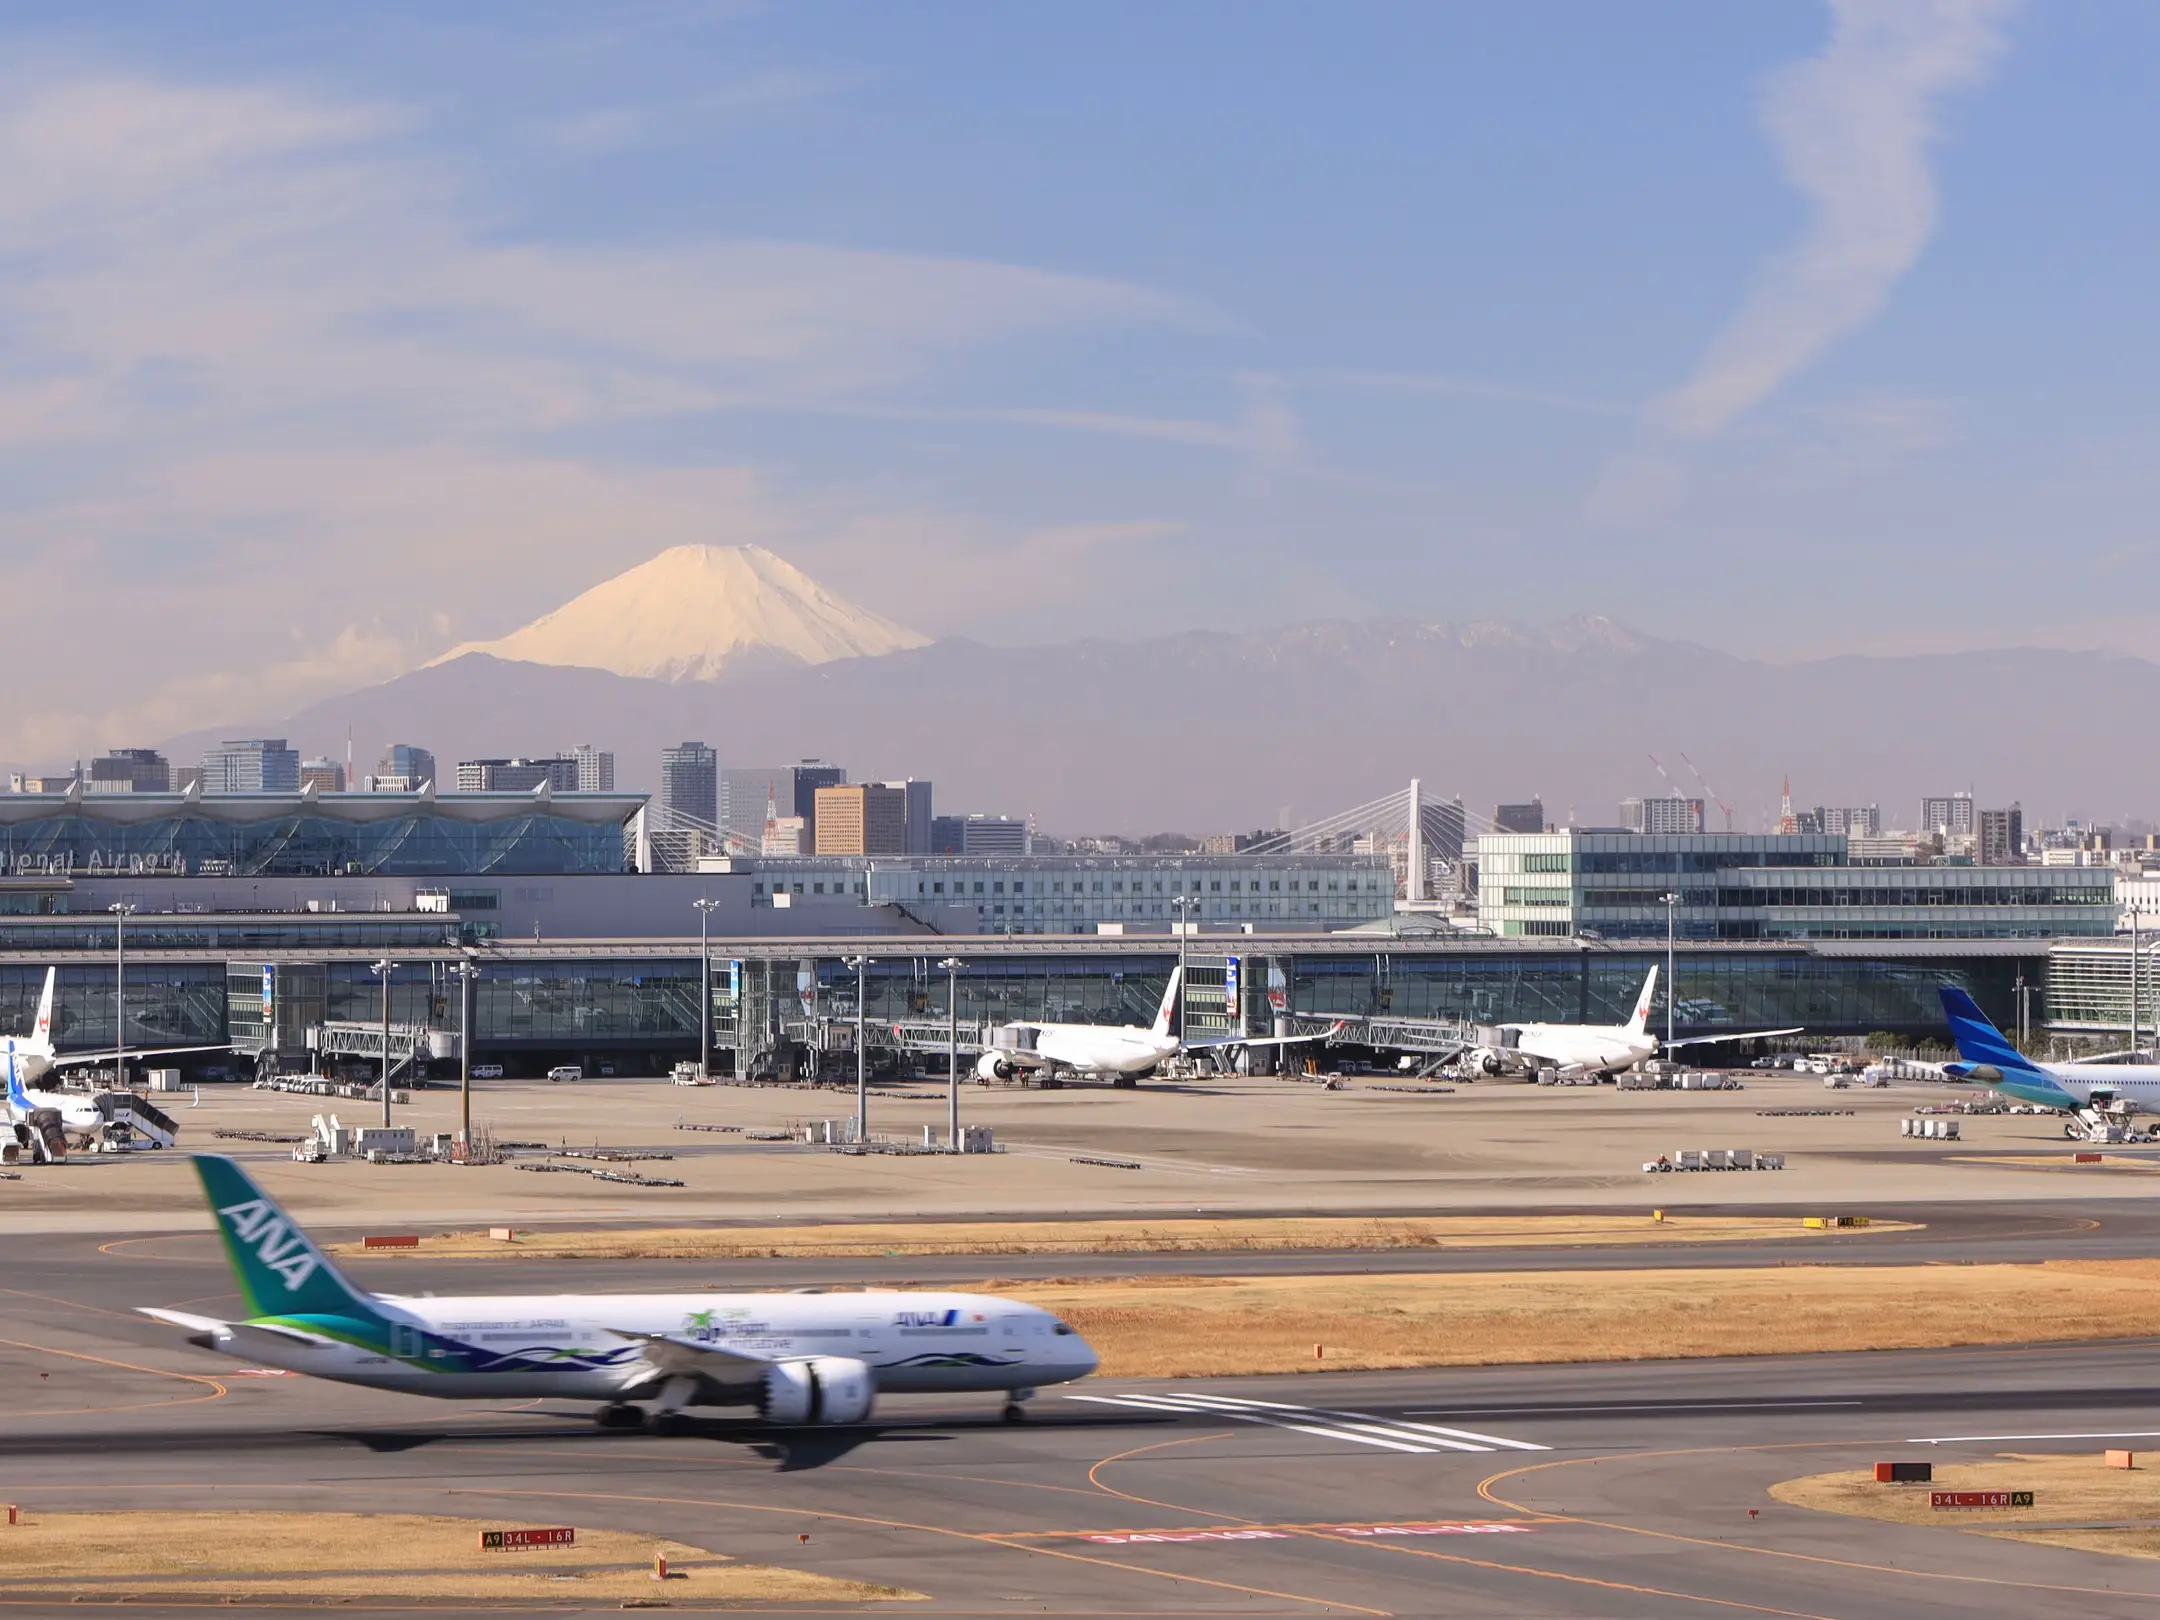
(1579, 1049)
(2104, 1083)
(1124, 1052)
(796, 1358)
(31, 1058)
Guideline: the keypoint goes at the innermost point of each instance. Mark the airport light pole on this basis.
(1184, 905)
(705, 910)
(862, 1054)
(951, 965)
(1672, 985)
(383, 970)
(122, 910)
(466, 971)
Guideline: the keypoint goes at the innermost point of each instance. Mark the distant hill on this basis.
(1206, 731)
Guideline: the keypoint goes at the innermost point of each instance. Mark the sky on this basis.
(331, 337)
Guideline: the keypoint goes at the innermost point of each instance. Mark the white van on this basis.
(487, 1071)
(569, 1071)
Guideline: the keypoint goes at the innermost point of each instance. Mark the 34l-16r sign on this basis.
(522, 1540)
(1980, 1499)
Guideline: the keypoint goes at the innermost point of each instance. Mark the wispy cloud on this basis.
(1853, 127)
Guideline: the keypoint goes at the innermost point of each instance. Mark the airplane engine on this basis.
(824, 1389)
(992, 1067)
(1487, 1061)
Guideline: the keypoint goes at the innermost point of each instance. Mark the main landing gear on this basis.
(620, 1415)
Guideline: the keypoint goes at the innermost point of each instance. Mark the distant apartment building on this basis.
(1519, 818)
(18, 782)
(978, 835)
(130, 770)
(251, 765)
(323, 775)
(595, 769)
(402, 769)
(863, 818)
(786, 835)
(1950, 814)
(1853, 820)
(2002, 837)
(1669, 813)
(558, 775)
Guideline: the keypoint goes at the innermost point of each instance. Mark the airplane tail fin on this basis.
(1979, 1042)
(280, 1270)
(1164, 1013)
(1641, 1020)
(41, 1031)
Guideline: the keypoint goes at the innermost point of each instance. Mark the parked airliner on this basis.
(30, 1058)
(795, 1358)
(1578, 1049)
(1991, 1060)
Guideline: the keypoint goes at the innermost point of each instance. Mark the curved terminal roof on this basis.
(357, 809)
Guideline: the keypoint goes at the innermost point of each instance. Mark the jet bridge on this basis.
(409, 1044)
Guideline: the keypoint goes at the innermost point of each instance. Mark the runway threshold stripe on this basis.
(1422, 1430)
(1327, 1432)
(1425, 1439)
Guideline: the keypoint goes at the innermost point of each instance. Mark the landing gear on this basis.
(1016, 1407)
(666, 1423)
(620, 1415)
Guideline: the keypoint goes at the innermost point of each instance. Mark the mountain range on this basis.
(1207, 730)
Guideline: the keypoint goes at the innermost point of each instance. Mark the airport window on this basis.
(935, 888)
(815, 888)
(1216, 887)
(978, 888)
(1272, 887)
(798, 888)
(997, 888)
(1019, 888)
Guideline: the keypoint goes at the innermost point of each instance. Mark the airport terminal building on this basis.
(256, 918)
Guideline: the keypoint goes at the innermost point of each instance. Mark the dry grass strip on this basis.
(1210, 1327)
(2066, 1489)
(258, 1555)
(1197, 1236)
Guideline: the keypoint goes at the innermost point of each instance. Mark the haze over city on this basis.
(336, 340)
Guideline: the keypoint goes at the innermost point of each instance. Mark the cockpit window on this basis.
(1061, 1330)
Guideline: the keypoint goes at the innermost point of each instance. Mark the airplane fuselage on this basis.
(1099, 1048)
(575, 1346)
(26, 1066)
(1582, 1047)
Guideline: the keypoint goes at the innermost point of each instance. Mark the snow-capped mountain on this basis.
(696, 613)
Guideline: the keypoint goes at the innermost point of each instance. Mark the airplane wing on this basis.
(668, 1354)
(209, 1333)
(69, 1060)
(1740, 1035)
(1327, 1034)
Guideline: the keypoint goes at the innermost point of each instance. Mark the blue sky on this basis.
(334, 336)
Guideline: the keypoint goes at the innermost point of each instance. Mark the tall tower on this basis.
(1787, 821)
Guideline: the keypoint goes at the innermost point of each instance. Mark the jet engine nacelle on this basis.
(992, 1067)
(824, 1389)
(1488, 1061)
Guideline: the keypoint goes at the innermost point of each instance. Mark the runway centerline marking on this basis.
(2102, 1434)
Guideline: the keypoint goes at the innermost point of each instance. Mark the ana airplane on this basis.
(31, 1058)
(1579, 1049)
(1991, 1060)
(1124, 1052)
(796, 1358)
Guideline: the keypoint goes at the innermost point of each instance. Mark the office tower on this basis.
(1670, 813)
(595, 769)
(516, 775)
(323, 775)
(2002, 837)
(130, 770)
(866, 818)
(1951, 813)
(403, 769)
(251, 765)
(1519, 818)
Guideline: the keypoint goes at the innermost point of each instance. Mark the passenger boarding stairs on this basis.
(135, 1119)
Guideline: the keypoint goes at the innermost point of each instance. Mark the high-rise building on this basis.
(1670, 813)
(1951, 813)
(595, 769)
(1519, 818)
(517, 775)
(323, 775)
(919, 816)
(1854, 820)
(251, 765)
(790, 789)
(403, 769)
(130, 770)
(978, 835)
(863, 818)
(686, 824)
(2002, 837)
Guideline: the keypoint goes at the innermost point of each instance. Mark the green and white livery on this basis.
(795, 1358)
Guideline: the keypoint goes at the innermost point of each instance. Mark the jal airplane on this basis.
(31, 1058)
(1124, 1052)
(795, 1358)
(1991, 1060)
(1578, 1049)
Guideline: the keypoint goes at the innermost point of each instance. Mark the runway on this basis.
(1610, 1490)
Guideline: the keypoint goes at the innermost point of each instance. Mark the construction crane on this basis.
(1709, 790)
